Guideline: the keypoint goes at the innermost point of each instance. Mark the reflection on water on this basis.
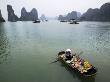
(4, 46)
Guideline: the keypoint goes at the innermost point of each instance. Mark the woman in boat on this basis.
(68, 54)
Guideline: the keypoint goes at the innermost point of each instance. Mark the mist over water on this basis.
(27, 49)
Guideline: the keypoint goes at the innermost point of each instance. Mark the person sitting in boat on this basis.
(68, 54)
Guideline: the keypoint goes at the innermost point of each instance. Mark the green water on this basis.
(27, 50)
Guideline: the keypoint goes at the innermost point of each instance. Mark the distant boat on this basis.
(63, 21)
(46, 20)
(36, 21)
(73, 22)
(14, 21)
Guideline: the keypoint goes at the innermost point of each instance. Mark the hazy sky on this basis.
(50, 8)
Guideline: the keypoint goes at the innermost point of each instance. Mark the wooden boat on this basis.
(46, 20)
(91, 71)
(63, 20)
(36, 21)
(73, 23)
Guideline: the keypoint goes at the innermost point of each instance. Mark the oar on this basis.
(55, 61)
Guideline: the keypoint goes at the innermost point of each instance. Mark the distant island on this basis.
(72, 15)
(43, 17)
(25, 16)
(102, 14)
(28, 16)
(97, 14)
(11, 15)
(1, 18)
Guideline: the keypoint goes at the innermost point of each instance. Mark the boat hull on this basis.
(36, 21)
(91, 72)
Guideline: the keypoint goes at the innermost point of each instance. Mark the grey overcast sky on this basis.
(50, 8)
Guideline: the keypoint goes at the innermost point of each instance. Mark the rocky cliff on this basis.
(11, 15)
(72, 15)
(102, 14)
(43, 17)
(1, 18)
(29, 16)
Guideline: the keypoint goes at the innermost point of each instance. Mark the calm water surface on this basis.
(27, 50)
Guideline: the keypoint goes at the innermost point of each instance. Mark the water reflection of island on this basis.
(4, 45)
